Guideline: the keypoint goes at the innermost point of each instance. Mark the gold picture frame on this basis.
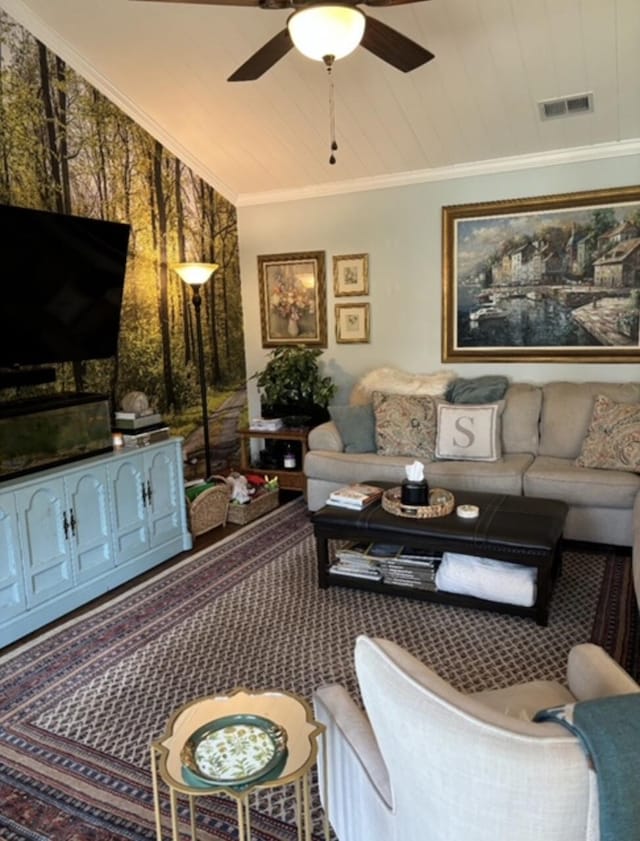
(293, 299)
(544, 279)
(352, 323)
(350, 275)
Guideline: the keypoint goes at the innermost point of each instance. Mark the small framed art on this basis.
(352, 323)
(350, 275)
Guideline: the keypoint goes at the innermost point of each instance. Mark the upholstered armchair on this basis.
(428, 763)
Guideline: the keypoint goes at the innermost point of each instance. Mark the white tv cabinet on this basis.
(72, 533)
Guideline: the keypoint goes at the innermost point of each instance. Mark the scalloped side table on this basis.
(287, 709)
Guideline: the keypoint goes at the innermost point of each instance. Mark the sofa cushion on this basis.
(520, 418)
(502, 476)
(567, 409)
(485, 389)
(559, 478)
(470, 432)
(348, 468)
(336, 469)
(357, 428)
(405, 425)
(395, 381)
(613, 438)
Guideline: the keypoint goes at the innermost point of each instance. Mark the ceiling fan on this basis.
(304, 27)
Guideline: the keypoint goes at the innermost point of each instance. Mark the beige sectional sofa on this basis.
(542, 432)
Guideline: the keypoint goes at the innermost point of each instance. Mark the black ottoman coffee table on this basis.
(518, 529)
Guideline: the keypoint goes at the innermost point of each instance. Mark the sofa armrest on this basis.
(326, 437)
(635, 549)
(592, 673)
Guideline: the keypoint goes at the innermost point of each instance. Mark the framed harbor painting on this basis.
(293, 299)
(549, 278)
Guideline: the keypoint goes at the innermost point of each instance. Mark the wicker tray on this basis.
(248, 511)
(441, 503)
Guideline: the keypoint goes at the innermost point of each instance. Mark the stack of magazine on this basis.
(354, 562)
(389, 563)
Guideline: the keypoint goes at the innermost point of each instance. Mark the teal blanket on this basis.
(609, 732)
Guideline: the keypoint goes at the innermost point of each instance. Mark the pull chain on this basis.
(328, 60)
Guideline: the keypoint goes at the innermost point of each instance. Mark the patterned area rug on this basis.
(81, 704)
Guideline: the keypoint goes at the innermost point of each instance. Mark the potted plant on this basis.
(292, 387)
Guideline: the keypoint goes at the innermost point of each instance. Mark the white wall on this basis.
(400, 229)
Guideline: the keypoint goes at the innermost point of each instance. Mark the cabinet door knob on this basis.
(65, 525)
(149, 492)
(144, 494)
(72, 522)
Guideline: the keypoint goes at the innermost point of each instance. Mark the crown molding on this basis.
(515, 163)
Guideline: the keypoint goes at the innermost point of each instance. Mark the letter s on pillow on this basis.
(468, 437)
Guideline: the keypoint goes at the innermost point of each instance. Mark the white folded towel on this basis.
(485, 578)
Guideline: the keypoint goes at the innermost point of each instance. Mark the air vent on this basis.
(566, 106)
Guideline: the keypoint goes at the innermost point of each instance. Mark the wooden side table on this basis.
(288, 480)
(285, 709)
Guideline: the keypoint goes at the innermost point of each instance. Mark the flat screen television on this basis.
(62, 279)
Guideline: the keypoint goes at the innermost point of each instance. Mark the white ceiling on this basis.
(474, 105)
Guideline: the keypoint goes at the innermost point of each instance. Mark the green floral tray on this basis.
(233, 751)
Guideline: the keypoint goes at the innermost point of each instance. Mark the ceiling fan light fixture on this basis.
(326, 29)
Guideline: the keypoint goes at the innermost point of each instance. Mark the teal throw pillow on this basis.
(357, 427)
(486, 389)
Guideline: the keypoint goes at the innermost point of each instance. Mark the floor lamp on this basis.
(195, 274)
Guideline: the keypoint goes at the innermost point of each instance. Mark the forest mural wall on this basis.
(64, 147)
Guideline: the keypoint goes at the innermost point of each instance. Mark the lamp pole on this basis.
(195, 275)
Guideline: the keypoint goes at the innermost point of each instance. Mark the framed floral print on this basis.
(350, 275)
(293, 299)
(352, 323)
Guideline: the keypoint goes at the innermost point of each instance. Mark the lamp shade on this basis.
(326, 29)
(195, 273)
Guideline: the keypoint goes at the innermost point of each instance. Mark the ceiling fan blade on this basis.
(380, 2)
(264, 59)
(393, 47)
(252, 3)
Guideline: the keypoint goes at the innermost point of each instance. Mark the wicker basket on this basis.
(209, 509)
(260, 504)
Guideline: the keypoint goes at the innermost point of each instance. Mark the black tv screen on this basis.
(62, 279)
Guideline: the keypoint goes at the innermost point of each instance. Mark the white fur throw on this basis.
(395, 381)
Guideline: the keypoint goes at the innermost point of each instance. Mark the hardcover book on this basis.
(355, 496)
(125, 421)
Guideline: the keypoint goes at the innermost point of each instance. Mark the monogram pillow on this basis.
(612, 441)
(405, 426)
(469, 432)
